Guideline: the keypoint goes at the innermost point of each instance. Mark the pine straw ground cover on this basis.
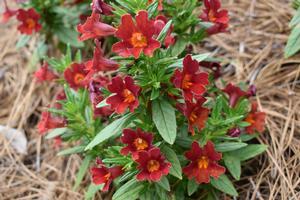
(253, 51)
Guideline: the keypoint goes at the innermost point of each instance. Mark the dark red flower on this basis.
(213, 66)
(159, 24)
(76, 75)
(234, 132)
(252, 91)
(152, 165)
(45, 74)
(29, 21)
(213, 14)
(136, 141)
(136, 38)
(196, 114)
(235, 94)
(8, 13)
(96, 96)
(99, 62)
(57, 142)
(48, 122)
(256, 119)
(203, 163)
(93, 28)
(102, 174)
(101, 7)
(59, 97)
(126, 94)
(190, 80)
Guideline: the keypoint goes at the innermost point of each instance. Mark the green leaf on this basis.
(22, 41)
(216, 112)
(199, 58)
(129, 190)
(179, 47)
(247, 137)
(164, 183)
(109, 131)
(82, 170)
(249, 151)
(233, 164)
(163, 115)
(68, 36)
(173, 159)
(154, 94)
(229, 146)
(152, 9)
(162, 35)
(56, 132)
(224, 184)
(192, 187)
(102, 104)
(293, 44)
(92, 190)
(296, 19)
(73, 150)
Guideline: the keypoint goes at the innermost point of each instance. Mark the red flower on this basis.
(136, 141)
(126, 94)
(93, 28)
(48, 122)
(213, 14)
(152, 165)
(99, 62)
(101, 7)
(190, 80)
(136, 38)
(57, 142)
(196, 114)
(76, 75)
(203, 163)
(160, 4)
(96, 96)
(29, 19)
(213, 66)
(45, 74)
(234, 93)
(256, 119)
(59, 97)
(159, 24)
(102, 174)
(8, 13)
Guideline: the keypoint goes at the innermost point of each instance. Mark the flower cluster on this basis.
(155, 112)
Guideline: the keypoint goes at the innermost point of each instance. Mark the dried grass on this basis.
(253, 52)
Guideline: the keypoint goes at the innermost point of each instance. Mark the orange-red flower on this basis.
(196, 114)
(125, 94)
(190, 80)
(93, 28)
(99, 62)
(45, 74)
(102, 174)
(96, 96)
(256, 119)
(49, 122)
(29, 21)
(136, 37)
(76, 75)
(203, 163)
(136, 141)
(235, 94)
(152, 165)
(101, 7)
(213, 14)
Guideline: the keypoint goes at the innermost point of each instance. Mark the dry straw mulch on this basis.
(253, 52)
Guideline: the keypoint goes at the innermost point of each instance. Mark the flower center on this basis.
(128, 96)
(138, 40)
(140, 144)
(186, 82)
(193, 117)
(250, 119)
(107, 176)
(78, 78)
(30, 23)
(203, 162)
(211, 16)
(153, 165)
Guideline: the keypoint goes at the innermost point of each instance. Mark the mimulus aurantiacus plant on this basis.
(150, 108)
